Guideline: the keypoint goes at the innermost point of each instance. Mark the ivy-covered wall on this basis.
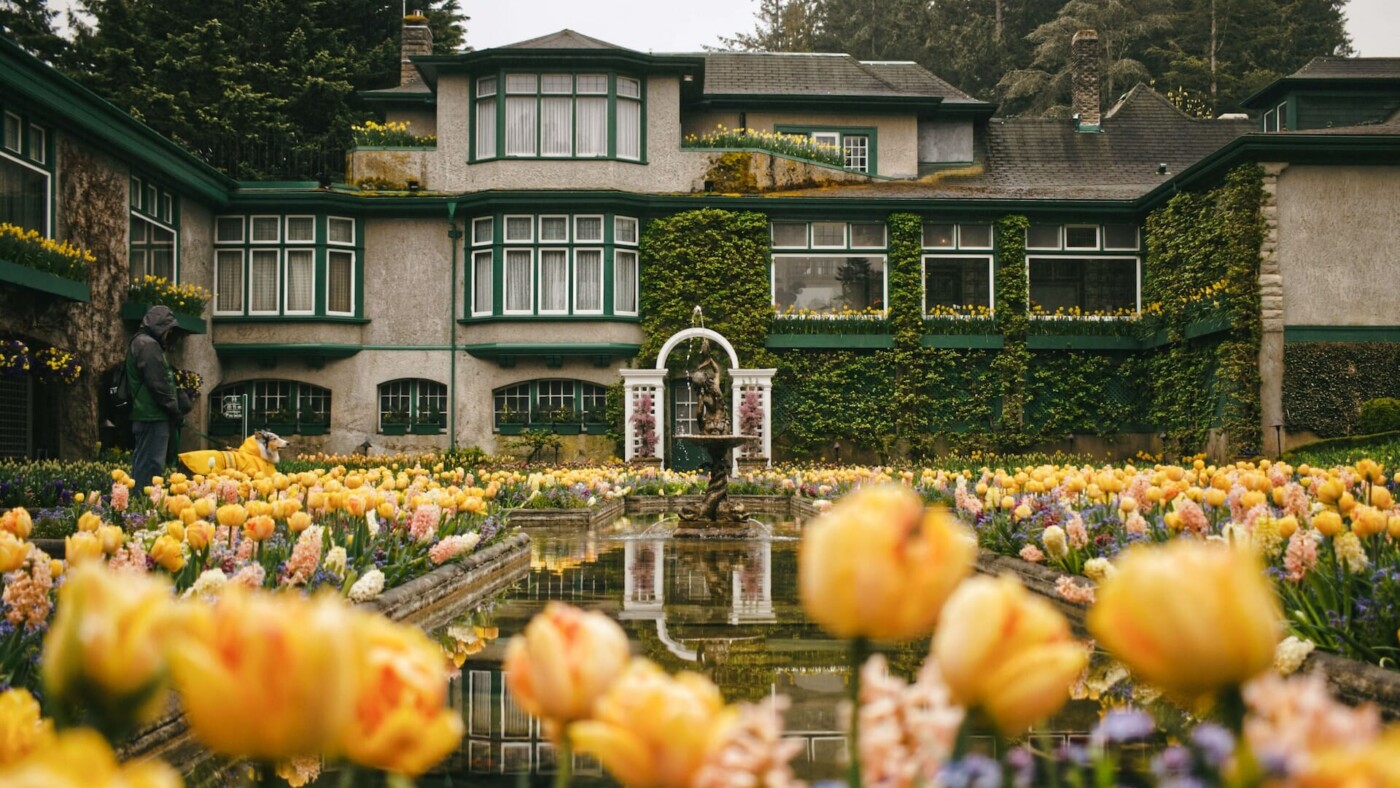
(1325, 383)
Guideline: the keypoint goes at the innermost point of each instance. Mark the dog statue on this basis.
(257, 455)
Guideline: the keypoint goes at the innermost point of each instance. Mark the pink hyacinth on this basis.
(1070, 591)
(1193, 518)
(1295, 500)
(1135, 524)
(1300, 557)
(1032, 554)
(1137, 490)
(907, 731)
(306, 556)
(1075, 530)
(1292, 719)
(425, 522)
(121, 496)
(129, 558)
(251, 576)
(228, 491)
(452, 546)
(1252, 516)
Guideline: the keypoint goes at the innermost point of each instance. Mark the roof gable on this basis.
(563, 39)
(822, 74)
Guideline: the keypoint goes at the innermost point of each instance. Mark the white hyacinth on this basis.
(367, 587)
(334, 562)
(1290, 654)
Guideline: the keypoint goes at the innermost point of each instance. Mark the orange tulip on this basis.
(565, 660)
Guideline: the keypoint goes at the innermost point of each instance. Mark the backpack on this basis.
(118, 388)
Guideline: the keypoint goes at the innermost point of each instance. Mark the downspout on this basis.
(454, 235)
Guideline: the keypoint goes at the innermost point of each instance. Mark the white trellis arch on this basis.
(645, 392)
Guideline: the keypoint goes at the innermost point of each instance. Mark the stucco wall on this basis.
(421, 120)
(1339, 245)
(196, 351)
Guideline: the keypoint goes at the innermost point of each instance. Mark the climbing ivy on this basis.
(715, 259)
(820, 397)
(1012, 320)
(910, 404)
(1327, 382)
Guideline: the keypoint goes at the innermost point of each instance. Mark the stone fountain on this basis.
(715, 517)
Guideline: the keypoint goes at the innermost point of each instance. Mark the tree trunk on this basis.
(1213, 48)
(996, 31)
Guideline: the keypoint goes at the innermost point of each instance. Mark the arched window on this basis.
(284, 406)
(563, 406)
(412, 405)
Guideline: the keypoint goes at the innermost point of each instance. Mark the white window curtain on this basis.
(625, 282)
(228, 281)
(340, 276)
(521, 125)
(486, 127)
(518, 285)
(592, 132)
(557, 126)
(481, 284)
(588, 288)
(263, 277)
(554, 280)
(301, 280)
(629, 129)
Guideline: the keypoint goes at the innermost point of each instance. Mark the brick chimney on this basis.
(417, 39)
(1084, 67)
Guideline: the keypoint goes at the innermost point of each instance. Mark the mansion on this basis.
(492, 277)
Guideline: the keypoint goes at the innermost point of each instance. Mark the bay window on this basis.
(519, 281)
(554, 265)
(299, 266)
(558, 115)
(483, 294)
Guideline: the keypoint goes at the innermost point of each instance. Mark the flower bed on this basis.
(393, 134)
(846, 321)
(798, 146)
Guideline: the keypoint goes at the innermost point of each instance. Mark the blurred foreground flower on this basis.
(81, 758)
(21, 729)
(564, 662)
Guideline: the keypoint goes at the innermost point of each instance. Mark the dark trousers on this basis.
(152, 448)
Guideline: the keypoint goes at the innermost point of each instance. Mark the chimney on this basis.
(417, 39)
(1084, 66)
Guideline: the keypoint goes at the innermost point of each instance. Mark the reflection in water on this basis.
(728, 610)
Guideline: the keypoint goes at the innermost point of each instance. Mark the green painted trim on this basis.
(1264, 97)
(821, 103)
(498, 349)
(1341, 333)
(279, 351)
(44, 282)
(485, 60)
(1081, 342)
(394, 147)
(969, 341)
(135, 311)
(84, 112)
(845, 341)
(220, 320)
(551, 318)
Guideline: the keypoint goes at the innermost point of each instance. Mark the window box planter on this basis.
(973, 341)
(510, 429)
(843, 341)
(135, 310)
(567, 429)
(393, 429)
(44, 282)
(426, 429)
(1081, 342)
(598, 428)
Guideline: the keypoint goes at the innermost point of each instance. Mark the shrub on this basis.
(1379, 415)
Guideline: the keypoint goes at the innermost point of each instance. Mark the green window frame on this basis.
(153, 240)
(1051, 264)
(859, 144)
(26, 172)
(583, 115)
(296, 266)
(552, 265)
(548, 403)
(284, 406)
(418, 404)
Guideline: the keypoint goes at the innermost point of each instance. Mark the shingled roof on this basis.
(1035, 159)
(1349, 68)
(564, 39)
(808, 74)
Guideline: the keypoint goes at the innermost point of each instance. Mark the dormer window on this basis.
(553, 115)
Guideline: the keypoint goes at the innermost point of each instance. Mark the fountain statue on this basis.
(715, 516)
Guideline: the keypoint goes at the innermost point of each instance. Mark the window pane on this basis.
(521, 126)
(512, 403)
(301, 229)
(625, 230)
(594, 401)
(229, 229)
(557, 126)
(625, 282)
(24, 196)
(1090, 284)
(554, 228)
(1043, 236)
(13, 132)
(592, 83)
(554, 280)
(868, 234)
(518, 285)
(481, 284)
(857, 150)
(228, 279)
(486, 128)
(1120, 236)
(167, 208)
(265, 228)
(626, 86)
(828, 233)
(957, 282)
(301, 280)
(790, 234)
(975, 236)
(1082, 237)
(263, 277)
(828, 284)
(588, 229)
(38, 147)
(588, 285)
(482, 230)
(520, 228)
(521, 83)
(162, 252)
(486, 86)
(629, 129)
(556, 83)
(591, 136)
(939, 236)
(340, 231)
(340, 273)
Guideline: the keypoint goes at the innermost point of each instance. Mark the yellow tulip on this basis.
(81, 546)
(176, 529)
(13, 552)
(1001, 648)
(89, 522)
(81, 758)
(167, 553)
(106, 647)
(264, 676)
(1215, 497)
(1327, 523)
(199, 534)
(298, 522)
(652, 729)
(878, 565)
(401, 722)
(112, 537)
(1367, 521)
(22, 729)
(203, 508)
(1287, 525)
(1190, 617)
(259, 528)
(18, 522)
(231, 515)
(565, 660)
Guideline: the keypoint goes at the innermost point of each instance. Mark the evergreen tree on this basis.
(29, 23)
(874, 29)
(782, 26)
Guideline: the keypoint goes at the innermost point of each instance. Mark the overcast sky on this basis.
(686, 26)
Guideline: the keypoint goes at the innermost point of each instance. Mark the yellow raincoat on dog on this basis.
(248, 459)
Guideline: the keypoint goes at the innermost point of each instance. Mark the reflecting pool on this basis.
(728, 610)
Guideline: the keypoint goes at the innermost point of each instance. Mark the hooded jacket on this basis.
(149, 376)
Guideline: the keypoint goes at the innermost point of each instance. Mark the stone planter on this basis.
(426, 429)
(600, 513)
